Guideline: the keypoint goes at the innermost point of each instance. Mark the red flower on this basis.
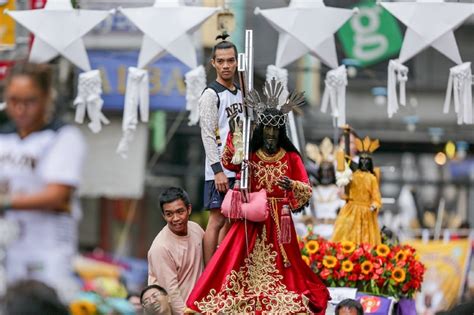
(401, 263)
(352, 277)
(357, 253)
(325, 273)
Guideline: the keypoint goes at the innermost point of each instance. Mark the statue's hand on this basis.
(284, 183)
(234, 123)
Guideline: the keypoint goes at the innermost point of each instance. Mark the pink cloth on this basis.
(175, 263)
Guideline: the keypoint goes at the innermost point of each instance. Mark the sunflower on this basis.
(366, 267)
(347, 266)
(329, 261)
(400, 255)
(312, 247)
(382, 250)
(306, 259)
(82, 308)
(398, 274)
(348, 247)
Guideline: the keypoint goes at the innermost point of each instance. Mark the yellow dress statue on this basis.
(357, 220)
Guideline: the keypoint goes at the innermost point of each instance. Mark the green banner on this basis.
(370, 36)
(158, 125)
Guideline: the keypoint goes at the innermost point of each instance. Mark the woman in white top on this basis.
(40, 167)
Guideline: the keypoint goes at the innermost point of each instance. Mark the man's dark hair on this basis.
(152, 286)
(224, 44)
(350, 304)
(30, 297)
(174, 193)
(283, 140)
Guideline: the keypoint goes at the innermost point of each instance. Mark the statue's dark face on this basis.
(365, 164)
(270, 139)
(327, 174)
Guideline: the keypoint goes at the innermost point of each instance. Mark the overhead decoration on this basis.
(431, 23)
(195, 83)
(459, 85)
(137, 98)
(168, 27)
(309, 27)
(58, 30)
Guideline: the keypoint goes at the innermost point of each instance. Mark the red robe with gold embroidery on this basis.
(252, 271)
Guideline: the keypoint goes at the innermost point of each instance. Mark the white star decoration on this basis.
(58, 30)
(430, 23)
(309, 27)
(306, 26)
(167, 27)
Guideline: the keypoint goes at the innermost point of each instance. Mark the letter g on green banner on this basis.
(371, 36)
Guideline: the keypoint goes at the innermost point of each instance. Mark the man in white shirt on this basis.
(220, 102)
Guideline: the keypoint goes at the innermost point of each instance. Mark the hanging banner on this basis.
(446, 269)
(167, 87)
(7, 25)
(371, 36)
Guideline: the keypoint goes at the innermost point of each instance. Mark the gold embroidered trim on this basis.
(256, 287)
(274, 214)
(271, 158)
(267, 175)
(226, 155)
(301, 192)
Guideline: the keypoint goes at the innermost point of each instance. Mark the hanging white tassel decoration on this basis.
(88, 100)
(396, 73)
(460, 85)
(136, 99)
(280, 75)
(195, 85)
(335, 94)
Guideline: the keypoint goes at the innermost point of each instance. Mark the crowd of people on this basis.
(260, 258)
(247, 262)
(41, 160)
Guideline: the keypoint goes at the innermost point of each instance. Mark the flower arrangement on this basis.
(392, 270)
